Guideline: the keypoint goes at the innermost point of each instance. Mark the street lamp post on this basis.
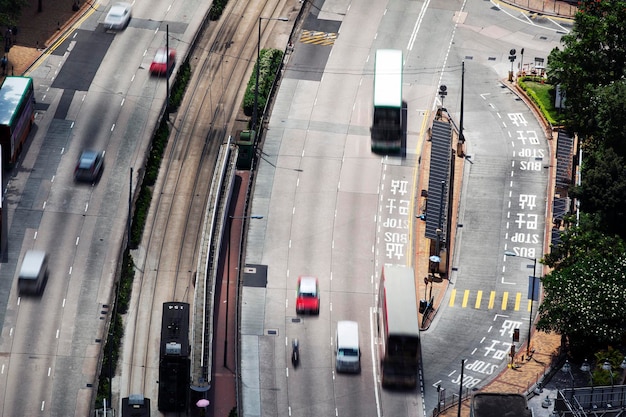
(458, 411)
(532, 295)
(585, 367)
(230, 224)
(607, 367)
(255, 109)
(567, 368)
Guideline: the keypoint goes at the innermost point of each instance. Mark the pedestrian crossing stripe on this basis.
(318, 38)
(478, 299)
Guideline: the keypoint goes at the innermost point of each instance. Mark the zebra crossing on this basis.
(489, 300)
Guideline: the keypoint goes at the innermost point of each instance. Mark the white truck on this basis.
(348, 351)
(33, 273)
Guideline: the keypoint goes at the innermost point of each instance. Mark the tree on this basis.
(603, 189)
(610, 117)
(585, 240)
(585, 302)
(10, 11)
(594, 55)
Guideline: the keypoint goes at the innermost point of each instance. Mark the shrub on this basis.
(217, 8)
(543, 95)
(269, 64)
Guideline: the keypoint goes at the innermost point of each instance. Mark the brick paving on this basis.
(37, 31)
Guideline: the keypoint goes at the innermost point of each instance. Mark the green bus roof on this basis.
(11, 95)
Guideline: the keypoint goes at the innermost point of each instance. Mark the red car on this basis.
(308, 296)
(162, 64)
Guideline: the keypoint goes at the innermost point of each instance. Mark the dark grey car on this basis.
(89, 167)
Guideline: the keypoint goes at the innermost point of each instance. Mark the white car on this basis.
(118, 16)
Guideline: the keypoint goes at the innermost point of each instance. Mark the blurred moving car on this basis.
(163, 61)
(118, 16)
(308, 295)
(90, 166)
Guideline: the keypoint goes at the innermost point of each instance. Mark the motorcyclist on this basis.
(295, 353)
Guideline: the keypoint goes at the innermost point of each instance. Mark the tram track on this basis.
(168, 254)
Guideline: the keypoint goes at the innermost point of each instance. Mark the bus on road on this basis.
(398, 328)
(17, 114)
(387, 124)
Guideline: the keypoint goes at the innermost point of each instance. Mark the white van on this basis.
(347, 350)
(33, 273)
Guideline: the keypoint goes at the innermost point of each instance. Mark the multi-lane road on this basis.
(93, 91)
(332, 207)
(328, 204)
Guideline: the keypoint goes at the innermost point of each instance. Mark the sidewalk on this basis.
(25, 53)
(555, 8)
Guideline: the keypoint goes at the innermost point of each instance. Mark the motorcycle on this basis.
(295, 353)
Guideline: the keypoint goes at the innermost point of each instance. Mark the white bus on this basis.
(387, 123)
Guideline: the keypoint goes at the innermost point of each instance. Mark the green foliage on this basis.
(593, 55)
(217, 8)
(159, 143)
(609, 104)
(180, 86)
(583, 241)
(585, 301)
(601, 376)
(10, 12)
(543, 95)
(141, 213)
(269, 64)
(125, 283)
(603, 189)
(110, 358)
(233, 412)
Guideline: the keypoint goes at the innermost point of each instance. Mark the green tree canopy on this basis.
(10, 12)
(585, 240)
(603, 189)
(609, 105)
(594, 55)
(585, 301)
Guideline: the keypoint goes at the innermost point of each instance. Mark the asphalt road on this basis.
(331, 201)
(93, 91)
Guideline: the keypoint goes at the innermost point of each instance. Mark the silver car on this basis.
(118, 17)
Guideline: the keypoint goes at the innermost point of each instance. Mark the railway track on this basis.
(221, 60)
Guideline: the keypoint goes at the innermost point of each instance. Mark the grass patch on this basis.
(543, 95)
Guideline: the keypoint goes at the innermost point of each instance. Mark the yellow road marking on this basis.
(452, 297)
(465, 297)
(479, 297)
(492, 300)
(318, 38)
(505, 298)
(60, 40)
(518, 300)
